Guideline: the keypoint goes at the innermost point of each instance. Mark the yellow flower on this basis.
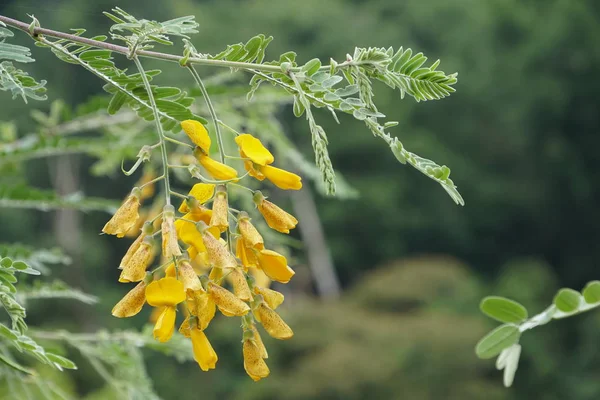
(254, 149)
(274, 265)
(131, 251)
(253, 169)
(254, 364)
(125, 217)
(202, 306)
(272, 322)
(170, 247)
(188, 276)
(132, 302)
(218, 253)
(272, 297)
(204, 354)
(189, 233)
(135, 269)
(240, 285)
(166, 293)
(220, 208)
(245, 254)
(276, 218)
(202, 192)
(165, 324)
(251, 236)
(216, 169)
(281, 178)
(228, 304)
(258, 340)
(260, 278)
(197, 134)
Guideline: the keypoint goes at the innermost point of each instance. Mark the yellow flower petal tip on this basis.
(204, 354)
(124, 218)
(165, 292)
(220, 216)
(165, 325)
(131, 303)
(281, 178)
(197, 134)
(254, 149)
(273, 324)
(202, 192)
(275, 217)
(274, 265)
(216, 169)
(254, 364)
(227, 302)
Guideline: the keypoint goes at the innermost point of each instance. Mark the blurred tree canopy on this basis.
(521, 137)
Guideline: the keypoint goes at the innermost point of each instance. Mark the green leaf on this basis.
(61, 361)
(497, 340)
(503, 309)
(311, 67)
(591, 293)
(14, 365)
(567, 300)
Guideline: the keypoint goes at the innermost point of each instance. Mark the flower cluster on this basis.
(213, 257)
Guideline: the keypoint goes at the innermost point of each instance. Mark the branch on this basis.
(142, 53)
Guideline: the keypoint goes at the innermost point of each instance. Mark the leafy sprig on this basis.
(504, 340)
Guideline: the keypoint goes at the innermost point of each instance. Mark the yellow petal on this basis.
(132, 302)
(188, 276)
(274, 265)
(218, 254)
(131, 251)
(202, 192)
(272, 297)
(220, 208)
(252, 237)
(188, 234)
(254, 364)
(170, 247)
(258, 340)
(245, 254)
(281, 178)
(273, 323)
(260, 278)
(254, 149)
(275, 217)
(217, 170)
(204, 354)
(124, 219)
(253, 169)
(228, 304)
(240, 285)
(165, 325)
(202, 306)
(165, 292)
(197, 134)
(170, 271)
(135, 269)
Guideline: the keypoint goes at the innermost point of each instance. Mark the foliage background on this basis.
(521, 138)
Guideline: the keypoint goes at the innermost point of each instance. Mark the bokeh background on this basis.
(521, 137)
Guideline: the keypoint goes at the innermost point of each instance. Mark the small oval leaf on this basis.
(567, 300)
(497, 340)
(591, 293)
(503, 309)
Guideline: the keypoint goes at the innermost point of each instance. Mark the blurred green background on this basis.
(521, 137)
